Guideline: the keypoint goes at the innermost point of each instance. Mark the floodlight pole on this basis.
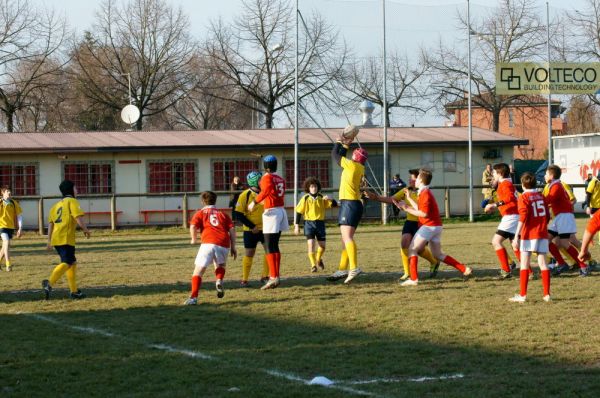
(470, 128)
(296, 133)
(386, 182)
(549, 81)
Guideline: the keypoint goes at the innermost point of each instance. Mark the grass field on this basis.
(447, 337)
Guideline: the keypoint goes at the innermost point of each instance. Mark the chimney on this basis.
(366, 108)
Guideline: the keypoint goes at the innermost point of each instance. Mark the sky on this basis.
(410, 24)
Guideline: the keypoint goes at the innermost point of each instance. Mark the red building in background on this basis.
(526, 117)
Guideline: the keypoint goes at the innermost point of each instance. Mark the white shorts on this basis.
(509, 223)
(430, 234)
(210, 253)
(535, 245)
(564, 223)
(275, 220)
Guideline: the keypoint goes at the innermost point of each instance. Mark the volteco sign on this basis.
(536, 78)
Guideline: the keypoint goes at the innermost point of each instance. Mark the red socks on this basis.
(413, 261)
(574, 254)
(503, 257)
(196, 283)
(277, 263)
(220, 272)
(453, 263)
(524, 279)
(556, 253)
(546, 282)
(272, 262)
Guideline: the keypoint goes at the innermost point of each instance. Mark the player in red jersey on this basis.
(532, 235)
(272, 192)
(593, 226)
(507, 205)
(562, 230)
(217, 237)
(430, 230)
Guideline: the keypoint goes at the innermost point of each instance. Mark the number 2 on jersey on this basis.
(58, 215)
(539, 210)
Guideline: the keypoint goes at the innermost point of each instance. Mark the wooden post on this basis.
(113, 213)
(41, 229)
(184, 210)
(447, 201)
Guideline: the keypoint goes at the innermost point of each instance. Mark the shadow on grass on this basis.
(83, 358)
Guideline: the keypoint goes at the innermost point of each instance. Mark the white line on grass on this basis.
(403, 380)
(188, 353)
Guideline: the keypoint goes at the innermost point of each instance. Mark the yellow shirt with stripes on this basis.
(400, 196)
(352, 173)
(313, 208)
(8, 213)
(63, 215)
(593, 188)
(255, 216)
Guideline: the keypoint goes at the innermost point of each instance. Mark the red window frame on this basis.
(225, 169)
(90, 178)
(171, 176)
(21, 178)
(319, 168)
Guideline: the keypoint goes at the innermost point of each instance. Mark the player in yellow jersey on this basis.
(411, 225)
(252, 221)
(10, 221)
(62, 222)
(351, 207)
(592, 196)
(312, 207)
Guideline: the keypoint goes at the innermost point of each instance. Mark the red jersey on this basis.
(558, 199)
(534, 215)
(593, 225)
(214, 226)
(506, 193)
(428, 205)
(272, 191)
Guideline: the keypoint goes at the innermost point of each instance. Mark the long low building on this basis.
(141, 164)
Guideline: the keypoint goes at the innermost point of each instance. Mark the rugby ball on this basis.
(350, 131)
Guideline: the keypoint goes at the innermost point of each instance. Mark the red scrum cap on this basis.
(360, 155)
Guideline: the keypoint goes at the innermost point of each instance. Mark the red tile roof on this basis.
(121, 141)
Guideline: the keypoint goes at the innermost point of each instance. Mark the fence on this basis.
(133, 215)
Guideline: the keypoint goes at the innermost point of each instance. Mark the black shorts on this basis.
(251, 240)
(8, 231)
(315, 230)
(505, 235)
(66, 253)
(410, 227)
(560, 236)
(350, 212)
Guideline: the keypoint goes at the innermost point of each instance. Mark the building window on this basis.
(427, 160)
(90, 177)
(450, 161)
(171, 176)
(225, 169)
(318, 168)
(511, 118)
(21, 178)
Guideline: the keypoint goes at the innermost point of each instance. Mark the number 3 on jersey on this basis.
(280, 189)
(539, 210)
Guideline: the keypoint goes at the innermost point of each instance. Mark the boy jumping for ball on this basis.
(430, 231)
(217, 234)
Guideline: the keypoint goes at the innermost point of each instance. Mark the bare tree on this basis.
(145, 39)
(406, 88)
(511, 33)
(583, 116)
(30, 54)
(256, 57)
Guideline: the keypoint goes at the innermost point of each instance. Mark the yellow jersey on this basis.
(400, 196)
(63, 215)
(313, 208)
(593, 189)
(567, 187)
(352, 173)
(255, 216)
(9, 212)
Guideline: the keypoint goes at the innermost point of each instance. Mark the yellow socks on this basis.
(312, 257)
(428, 255)
(320, 252)
(246, 267)
(344, 261)
(352, 251)
(404, 256)
(71, 278)
(265, 271)
(57, 273)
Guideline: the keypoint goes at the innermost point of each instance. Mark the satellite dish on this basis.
(130, 114)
